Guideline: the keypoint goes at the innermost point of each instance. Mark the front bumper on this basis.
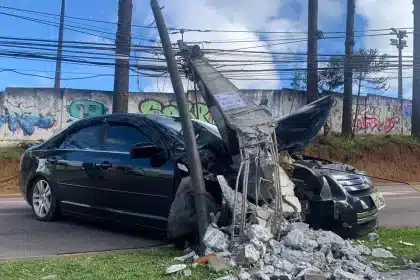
(356, 221)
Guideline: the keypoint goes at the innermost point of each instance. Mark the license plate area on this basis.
(378, 200)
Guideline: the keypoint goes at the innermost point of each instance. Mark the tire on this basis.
(43, 200)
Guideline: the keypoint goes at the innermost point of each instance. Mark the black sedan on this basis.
(121, 167)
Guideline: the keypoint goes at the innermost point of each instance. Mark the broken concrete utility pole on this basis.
(248, 132)
(122, 57)
(348, 71)
(196, 171)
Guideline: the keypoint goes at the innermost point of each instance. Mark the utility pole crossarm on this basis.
(230, 108)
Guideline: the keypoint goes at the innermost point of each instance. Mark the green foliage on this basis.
(142, 265)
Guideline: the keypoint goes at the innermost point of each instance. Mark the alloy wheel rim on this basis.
(41, 198)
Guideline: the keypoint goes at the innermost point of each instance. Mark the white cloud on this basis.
(97, 39)
(389, 14)
(233, 15)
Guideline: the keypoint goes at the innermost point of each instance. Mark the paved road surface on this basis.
(22, 236)
(402, 205)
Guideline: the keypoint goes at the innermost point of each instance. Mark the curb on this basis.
(11, 195)
(393, 184)
(91, 253)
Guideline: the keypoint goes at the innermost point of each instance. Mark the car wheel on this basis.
(43, 200)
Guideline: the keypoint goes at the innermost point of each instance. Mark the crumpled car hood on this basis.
(297, 129)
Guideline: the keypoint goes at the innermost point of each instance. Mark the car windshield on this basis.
(205, 133)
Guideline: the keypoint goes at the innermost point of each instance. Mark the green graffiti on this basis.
(170, 110)
(198, 111)
(201, 112)
(150, 107)
(84, 108)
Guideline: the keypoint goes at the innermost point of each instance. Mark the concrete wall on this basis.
(28, 114)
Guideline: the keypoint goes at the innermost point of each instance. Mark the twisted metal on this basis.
(252, 151)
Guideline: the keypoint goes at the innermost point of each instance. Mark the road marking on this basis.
(12, 201)
(405, 197)
(397, 193)
(15, 214)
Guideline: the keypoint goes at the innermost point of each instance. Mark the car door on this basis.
(77, 173)
(138, 189)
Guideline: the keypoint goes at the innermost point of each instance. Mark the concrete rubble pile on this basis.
(302, 253)
(298, 253)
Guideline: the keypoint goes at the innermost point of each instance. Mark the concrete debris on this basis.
(259, 276)
(191, 256)
(216, 240)
(406, 243)
(264, 213)
(175, 268)
(363, 249)
(259, 232)
(187, 272)
(248, 254)
(373, 236)
(382, 253)
(243, 275)
(340, 274)
(329, 237)
(299, 226)
(229, 277)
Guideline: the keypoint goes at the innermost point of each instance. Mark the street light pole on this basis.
(194, 163)
(400, 44)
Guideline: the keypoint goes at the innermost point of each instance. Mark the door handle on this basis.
(52, 160)
(105, 165)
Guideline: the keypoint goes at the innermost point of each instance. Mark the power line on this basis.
(196, 30)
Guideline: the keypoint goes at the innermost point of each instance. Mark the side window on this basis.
(121, 138)
(86, 138)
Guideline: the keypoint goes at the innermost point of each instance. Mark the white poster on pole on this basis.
(230, 100)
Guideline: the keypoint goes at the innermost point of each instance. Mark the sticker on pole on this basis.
(230, 100)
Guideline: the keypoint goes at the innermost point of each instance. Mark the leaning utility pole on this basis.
(122, 57)
(196, 171)
(348, 71)
(415, 119)
(57, 79)
(312, 63)
(400, 44)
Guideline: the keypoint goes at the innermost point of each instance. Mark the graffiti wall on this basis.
(165, 103)
(28, 114)
(79, 104)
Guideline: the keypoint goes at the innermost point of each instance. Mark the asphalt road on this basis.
(22, 236)
(402, 205)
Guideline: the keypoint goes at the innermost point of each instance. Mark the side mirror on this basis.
(144, 150)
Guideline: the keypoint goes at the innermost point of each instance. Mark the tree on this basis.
(330, 79)
(367, 65)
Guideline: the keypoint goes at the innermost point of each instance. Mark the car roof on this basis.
(125, 117)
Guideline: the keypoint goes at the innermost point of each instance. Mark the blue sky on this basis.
(331, 18)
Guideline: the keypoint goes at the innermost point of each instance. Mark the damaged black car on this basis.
(132, 169)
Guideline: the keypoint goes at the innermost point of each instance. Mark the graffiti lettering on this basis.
(198, 111)
(374, 118)
(85, 108)
(25, 119)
